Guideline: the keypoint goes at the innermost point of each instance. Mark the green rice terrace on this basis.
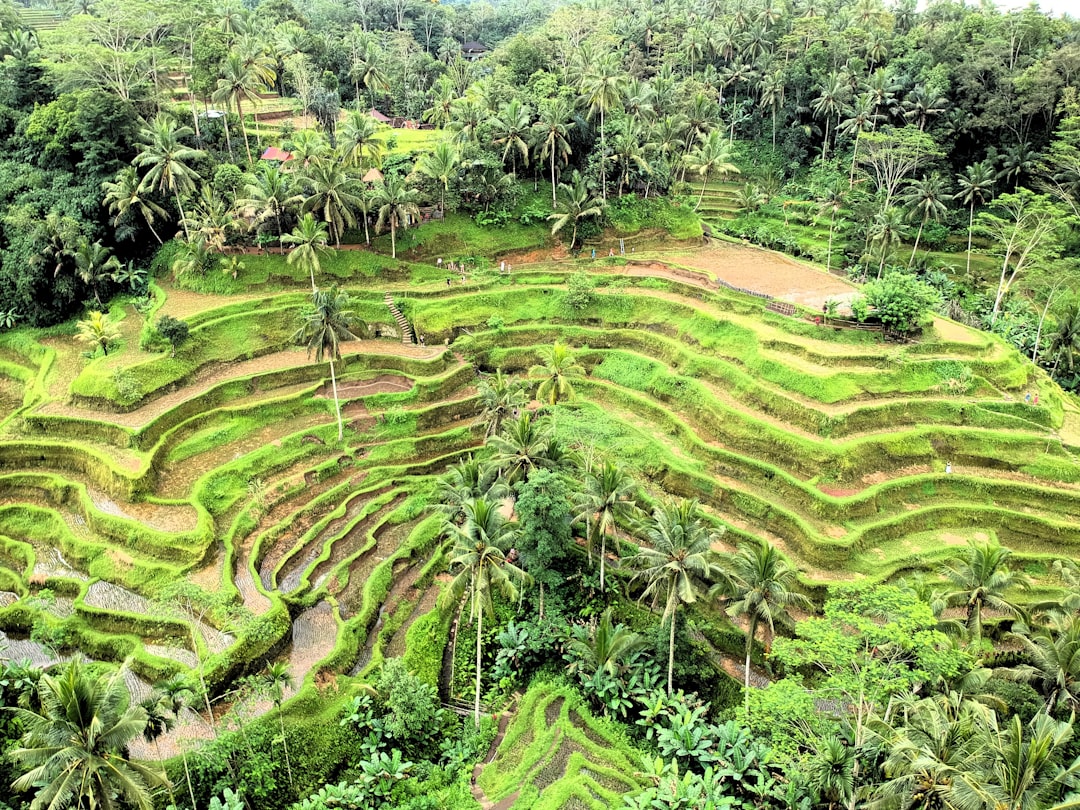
(193, 511)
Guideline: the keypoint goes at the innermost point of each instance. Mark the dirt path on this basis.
(213, 375)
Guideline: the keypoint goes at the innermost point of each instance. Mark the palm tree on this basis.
(177, 694)
(359, 138)
(484, 566)
(981, 577)
(553, 130)
(831, 771)
(159, 721)
(829, 104)
(577, 203)
(862, 119)
(271, 193)
(511, 128)
(167, 160)
(628, 152)
(239, 81)
(94, 263)
(759, 585)
(1054, 657)
(712, 156)
(772, 96)
(520, 448)
(603, 648)
(884, 232)
(602, 87)
(441, 165)
(397, 203)
(124, 195)
(75, 744)
(276, 680)
(502, 398)
(976, 186)
(367, 70)
(557, 371)
(608, 496)
(926, 198)
(677, 563)
(98, 330)
(468, 479)
(335, 195)
(830, 202)
(309, 237)
(325, 324)
(919, 107)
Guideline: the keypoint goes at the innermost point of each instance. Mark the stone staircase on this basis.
(403, 324)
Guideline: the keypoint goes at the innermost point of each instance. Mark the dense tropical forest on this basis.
(537, 404)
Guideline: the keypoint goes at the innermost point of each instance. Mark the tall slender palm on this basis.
(178, 695)
(862, 118)
(981, 578)
(553, 129)
(628, 152)
(124, 196)
(577, 203)
(94, 263)
(159, 721)
(335, 195)
(521, 447)
(502, 398)
(511, 128)
(441, 165)
(829, 104)
(759, 586)
(712, 156)
(830, 202)
(926, 200)
(360, 139)
(326, 323)
(368, 71)
(885, 232)
(239, 82)
(677, 564)
(772, 96)
(167, 160)
(480, 554)
(976, 186)
(74, 746)
(608, 496)
(603, 86)
(309, 239)
(271, 193)
(397, 203)
(276, 680)
(468, 479)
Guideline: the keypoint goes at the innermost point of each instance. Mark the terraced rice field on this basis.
(223, 470)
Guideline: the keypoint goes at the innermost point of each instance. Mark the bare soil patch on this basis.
(383, 384)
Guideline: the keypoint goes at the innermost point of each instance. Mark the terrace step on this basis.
(407, 336)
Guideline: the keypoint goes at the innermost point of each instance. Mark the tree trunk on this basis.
(187, 776)
(367, 237)
(671, 654)
(311, 269)
(918, 236)
(603, 549)
(337, 404)
(393, 239)
(285, 745)
(825, 144)
(832, 227)
(183, 219)
(228, 137)
(553, 202)
(854, 155)
(243, 129)
(479, 635)
(701, 196)
(971, 224)
(751, 631)
(603, 157)
(155, 233)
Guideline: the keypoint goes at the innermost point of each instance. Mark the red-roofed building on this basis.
(378, 116)
(273, 153)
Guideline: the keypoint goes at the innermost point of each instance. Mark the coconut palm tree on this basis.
(326, 323)
(480, 555)
(577, 203)
(177, 694)
(759, 584)
(94, 263)
(981, 578)
(831, 771)
(441, 164)
(502, 398)
(397, 203)
(829, 104)
(976, 186)
(885, 233)
(98, 330)
(75, 742)
(309, 237)
(468, 479)
(276, 681)
(830, 202)
(522, 446)
(607, 497)
(712, 156)
(167, 160)
(602, 87)
(272, 193)
(1054, 656)
(511, 129)
(553, 130)
(159, 721)
(862, 118)
(606, 647)
(335, 195)
(926, 200)
(360, 140)
(124, 196)
(239, 81)
(628, 152)
(367, 70)
(677, 564)
(557, 371)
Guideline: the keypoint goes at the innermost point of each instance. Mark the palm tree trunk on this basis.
(228, 137)
(393, 239)
(155, 233)
(243, 129)
(854, 155)
(311, 270)
(832, 227)
(183, 219)
(971, 223)
(367, 238)
(603, 550)
(337, 403)
(603, 157)
(187, 776)
(750, 633)
(479, 635)
(285, 745)
(734, 102)
(701, 196)
(553, 202)
(825, 144)
(918, 236)
(671, 655)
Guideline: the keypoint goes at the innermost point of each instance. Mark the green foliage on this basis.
(900, 301)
